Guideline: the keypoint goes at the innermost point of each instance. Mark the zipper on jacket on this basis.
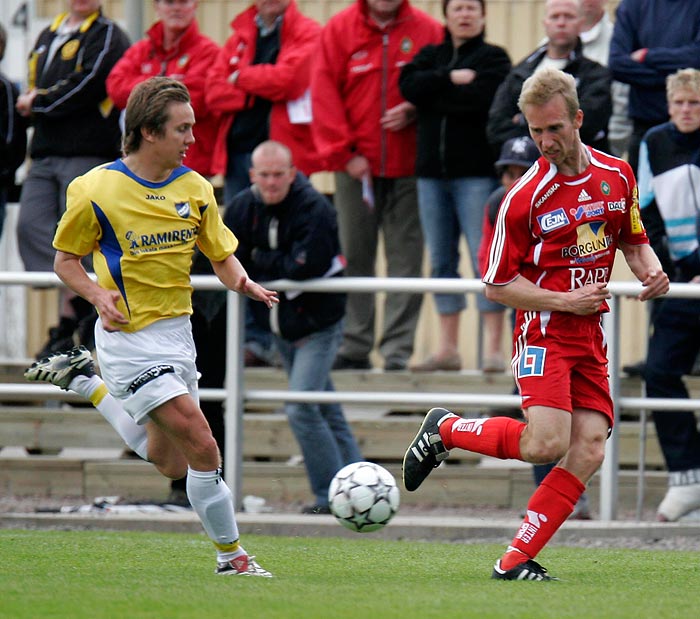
(383, 100)
(442, 149)
(273, 233)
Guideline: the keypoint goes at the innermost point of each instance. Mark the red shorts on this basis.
(567, 368)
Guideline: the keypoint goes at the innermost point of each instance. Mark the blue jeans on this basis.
(325, 438)
(673, 348)
(449, 208)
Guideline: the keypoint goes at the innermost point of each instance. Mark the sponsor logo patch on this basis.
(552, 220)
(581, 276)
(149, 375)
(183, 209)
(594, 209)
(590, 239)
(546, 195)
(583, 196)
(635, 218)
(531, 361)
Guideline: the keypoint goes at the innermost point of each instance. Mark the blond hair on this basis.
(683, 79)
(541, 87)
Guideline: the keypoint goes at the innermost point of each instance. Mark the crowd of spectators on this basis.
(409, 114)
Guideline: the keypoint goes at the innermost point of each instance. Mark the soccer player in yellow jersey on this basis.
(141, 217)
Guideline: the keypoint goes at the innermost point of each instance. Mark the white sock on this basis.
(94, 390)
(211, 498)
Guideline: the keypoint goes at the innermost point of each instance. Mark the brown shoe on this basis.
(251, 360)
(453, 363)
(493, 365)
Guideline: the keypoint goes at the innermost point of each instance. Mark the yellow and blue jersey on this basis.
(142, 236)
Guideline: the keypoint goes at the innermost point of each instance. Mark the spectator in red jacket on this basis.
(174, 47)
(366, 131)
(259, 84)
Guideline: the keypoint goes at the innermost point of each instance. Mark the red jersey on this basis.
(561, 232)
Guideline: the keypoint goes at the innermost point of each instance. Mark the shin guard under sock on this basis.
(211, 498)
(549, 506)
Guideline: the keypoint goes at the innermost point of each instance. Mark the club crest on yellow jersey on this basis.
(183, 209)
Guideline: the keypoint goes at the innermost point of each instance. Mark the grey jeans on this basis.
(395, 214)
(42, 203)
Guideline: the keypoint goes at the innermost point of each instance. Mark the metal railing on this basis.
(235, 395)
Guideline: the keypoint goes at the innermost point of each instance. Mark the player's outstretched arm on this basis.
(234, 277)
(646, 267)
(72, 273)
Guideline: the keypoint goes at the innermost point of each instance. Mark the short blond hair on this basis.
(683, 79)
(542, 86)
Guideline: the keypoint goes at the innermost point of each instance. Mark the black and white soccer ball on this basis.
(363, 496)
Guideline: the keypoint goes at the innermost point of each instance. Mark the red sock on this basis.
(490, 436)
(549, 506)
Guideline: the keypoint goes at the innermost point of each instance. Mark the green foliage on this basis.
(98, 575)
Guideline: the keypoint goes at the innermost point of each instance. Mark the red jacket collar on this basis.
(156, 33)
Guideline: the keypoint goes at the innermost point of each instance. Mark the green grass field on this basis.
(98, 575)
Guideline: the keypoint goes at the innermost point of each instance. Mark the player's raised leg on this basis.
(442, 430)
(74, 370)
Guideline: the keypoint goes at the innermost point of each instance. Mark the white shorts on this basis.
(149, 367)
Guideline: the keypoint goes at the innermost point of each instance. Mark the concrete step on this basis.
(507, 485)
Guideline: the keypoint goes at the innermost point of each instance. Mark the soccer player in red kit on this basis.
(551, 257)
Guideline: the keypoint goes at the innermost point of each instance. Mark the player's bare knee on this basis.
(546, 450)
(594, 455)
(204, 452)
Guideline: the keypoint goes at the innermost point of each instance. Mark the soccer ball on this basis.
(363, 496)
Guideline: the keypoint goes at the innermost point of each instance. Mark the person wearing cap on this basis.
(452, 85)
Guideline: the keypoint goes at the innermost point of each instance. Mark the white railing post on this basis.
(233, 400)
(609, 469)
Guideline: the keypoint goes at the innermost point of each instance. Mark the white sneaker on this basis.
(679, 500)
(245, 565)
(62, 367)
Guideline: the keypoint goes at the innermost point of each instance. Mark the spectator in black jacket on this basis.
(76, 127)
(452, 86)
(13, 136)
(563, 50)
(287, 230)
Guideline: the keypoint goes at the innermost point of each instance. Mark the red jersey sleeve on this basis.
(512, 239)
(632, 231)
